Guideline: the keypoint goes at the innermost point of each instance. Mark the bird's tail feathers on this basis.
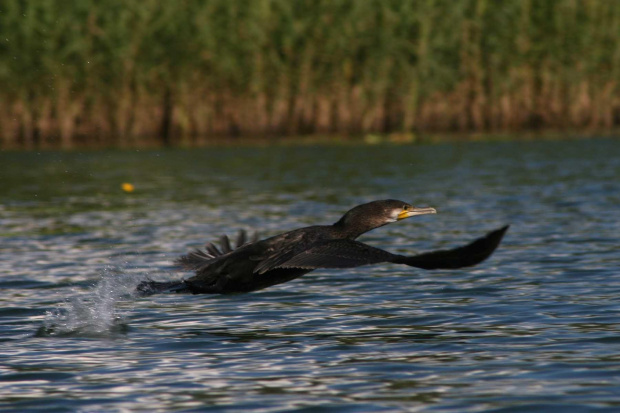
(146, 288)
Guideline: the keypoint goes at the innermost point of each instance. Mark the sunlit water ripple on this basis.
(535, 328)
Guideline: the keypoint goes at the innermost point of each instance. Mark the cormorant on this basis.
(254, 264)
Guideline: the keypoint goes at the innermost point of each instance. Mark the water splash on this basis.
(101, 311)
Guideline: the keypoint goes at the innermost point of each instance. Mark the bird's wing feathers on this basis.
(345, 253)
(465, 256)
(282, 249)
(198, 258)
(340, 253)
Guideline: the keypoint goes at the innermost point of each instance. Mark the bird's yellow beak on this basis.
(406, 213)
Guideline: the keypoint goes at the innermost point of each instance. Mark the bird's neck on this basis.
(345, 231)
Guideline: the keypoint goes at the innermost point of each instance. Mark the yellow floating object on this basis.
(127, 187)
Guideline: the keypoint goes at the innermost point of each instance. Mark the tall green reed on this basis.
(131, 73)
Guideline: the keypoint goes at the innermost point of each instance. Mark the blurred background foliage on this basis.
(130, 73)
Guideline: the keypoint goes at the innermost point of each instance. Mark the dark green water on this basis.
(535, 328)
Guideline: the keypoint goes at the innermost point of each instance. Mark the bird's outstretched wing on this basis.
(349, 254)
(283, 248)
(341, 253)
(471, 254)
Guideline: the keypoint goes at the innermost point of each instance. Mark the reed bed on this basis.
(85, 72)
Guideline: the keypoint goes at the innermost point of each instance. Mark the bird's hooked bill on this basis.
(406, 213)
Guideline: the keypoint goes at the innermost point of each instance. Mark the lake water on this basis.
(534, 328)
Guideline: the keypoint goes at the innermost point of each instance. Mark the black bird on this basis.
(254, 264)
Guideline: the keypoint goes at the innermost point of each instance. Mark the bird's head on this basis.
(366, 217)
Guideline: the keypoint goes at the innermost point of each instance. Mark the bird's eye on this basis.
(406, 207)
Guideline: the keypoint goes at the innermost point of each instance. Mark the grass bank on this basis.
(82, 72)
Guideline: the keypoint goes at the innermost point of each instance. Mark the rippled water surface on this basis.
(535, 328)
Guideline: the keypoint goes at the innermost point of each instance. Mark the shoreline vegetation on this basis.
(190, 73)
(396, 138)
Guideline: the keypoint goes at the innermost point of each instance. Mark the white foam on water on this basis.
(100, 310)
